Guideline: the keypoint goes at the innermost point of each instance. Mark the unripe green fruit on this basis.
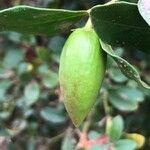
(82, 68)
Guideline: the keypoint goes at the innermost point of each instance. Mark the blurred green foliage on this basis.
(32, 114)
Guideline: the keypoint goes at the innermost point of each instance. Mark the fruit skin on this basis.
(81, 71)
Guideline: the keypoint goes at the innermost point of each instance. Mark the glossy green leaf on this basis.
(138, 138)
(4, 85)
(121, 102)
(39, 21)
(101, 146)
(32, 92)
(4, 115)
(21, 38)
(115, 127)
(67, 143)
(4, 132)
(56, 44)
(125, 145)
(49, 77)
(127, 69)
(52, 115)
(144, 9)
(50, 80)
(117, 76)
(24, 67)
(31, 145)
(131, 93)
(13, 58)
(43, 54)
(93, 135)
(98, 147)
(120, 23)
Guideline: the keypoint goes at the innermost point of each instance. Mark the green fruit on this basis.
(82, 68)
